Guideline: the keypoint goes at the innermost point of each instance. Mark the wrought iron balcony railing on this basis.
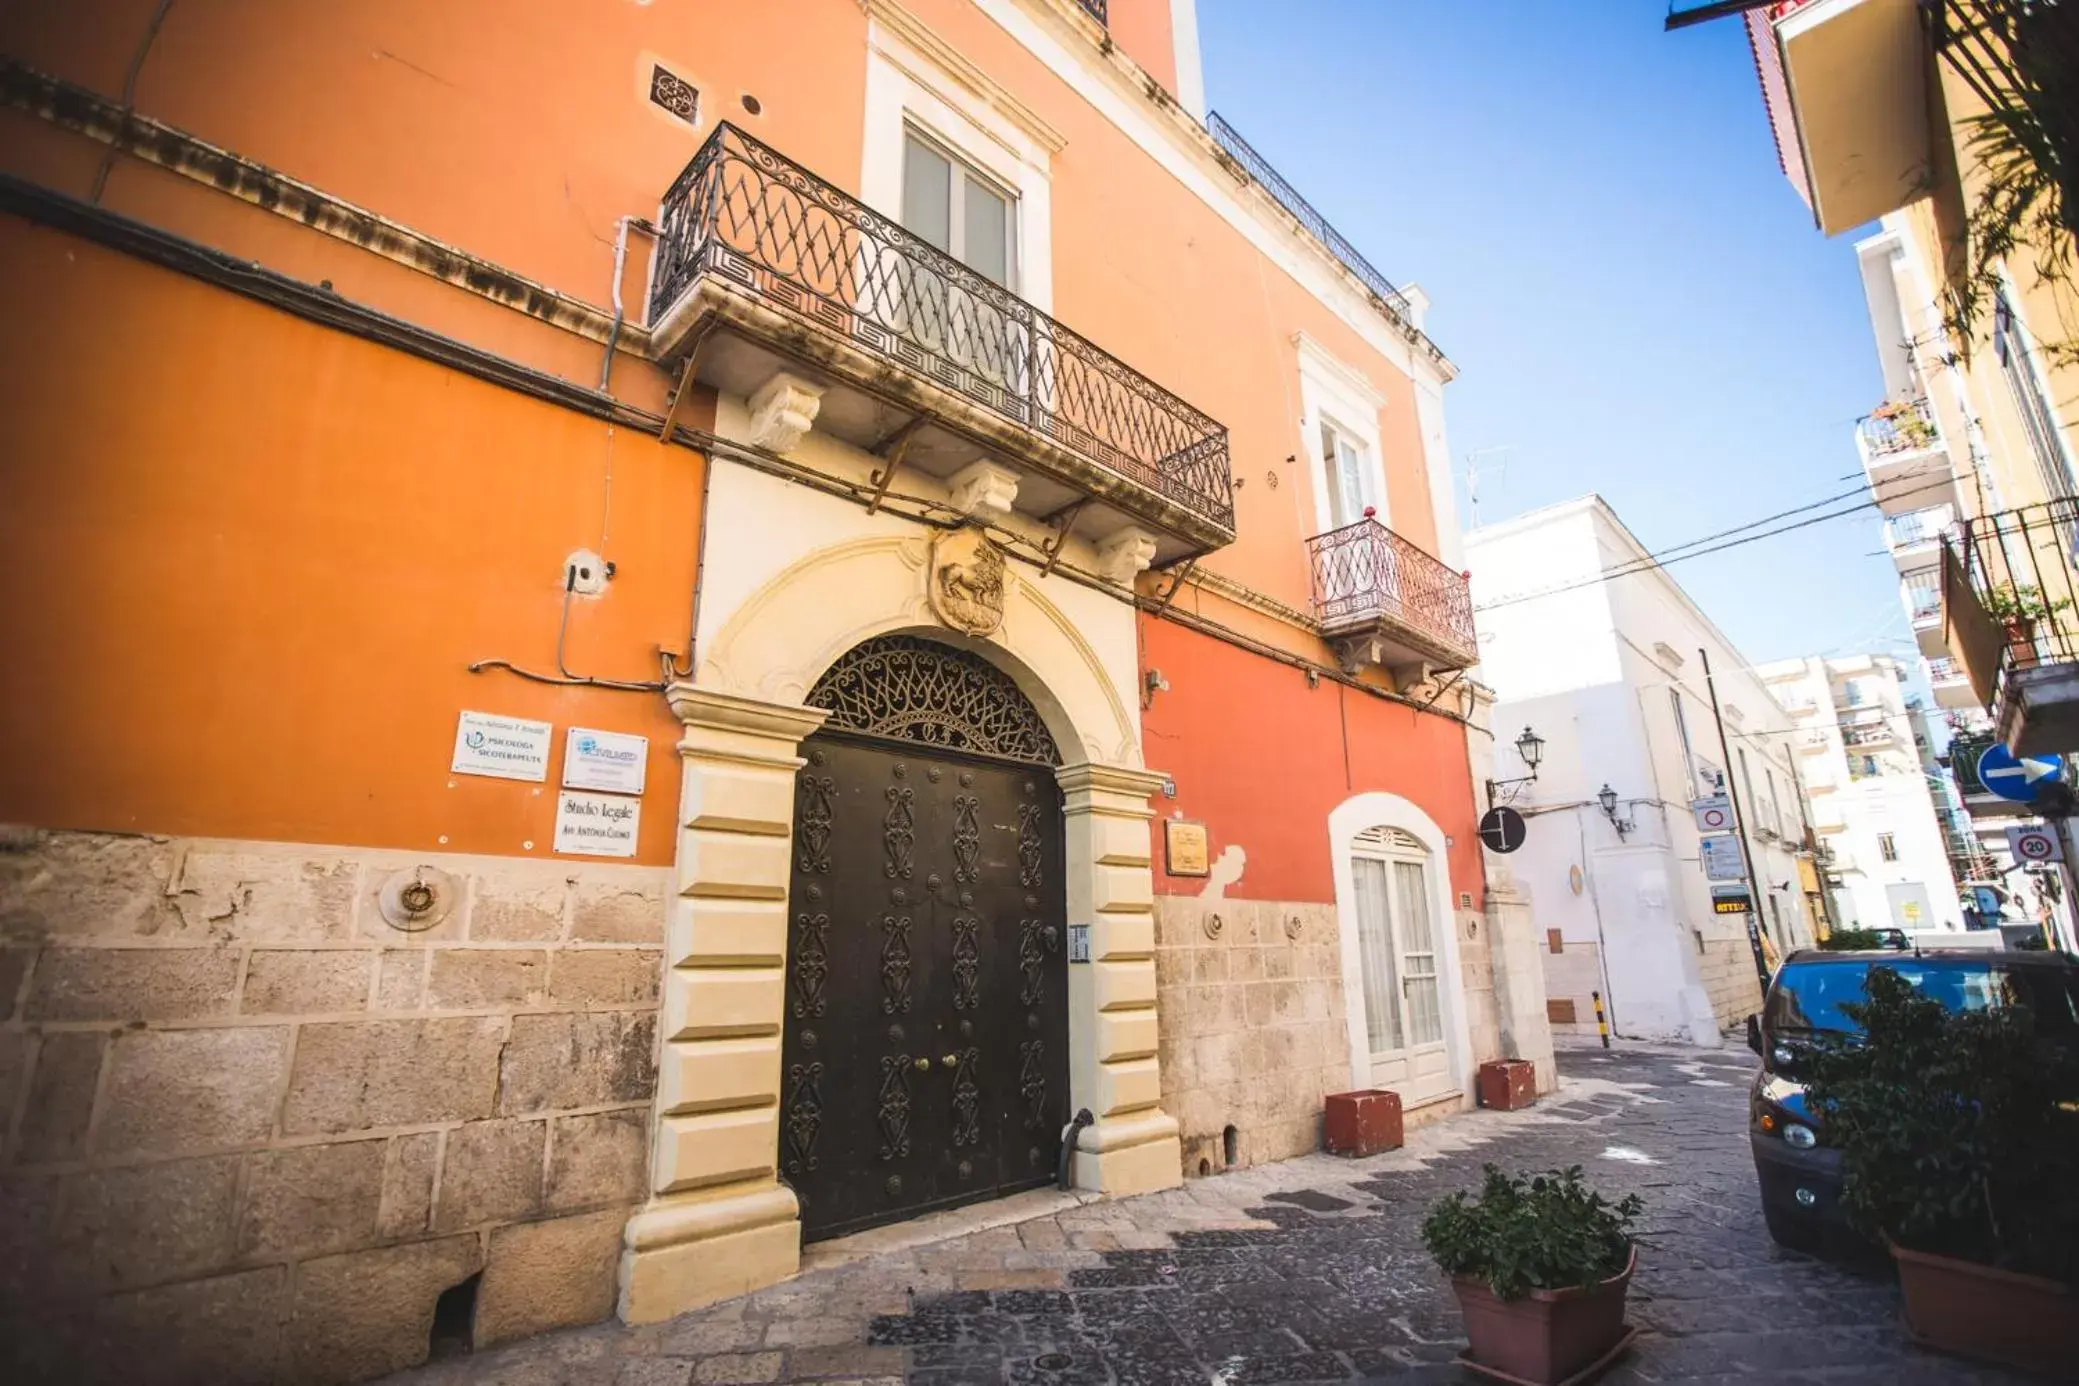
(1288, 196)
(2016, 570)
(1095, 9)
(768, 227)
(1900, 426)
(1365, 574)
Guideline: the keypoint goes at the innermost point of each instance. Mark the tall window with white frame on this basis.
(1347, 468)
(2010, 347)
(1887, 847)
(954, 207)
(958, 209)
(1689, 769)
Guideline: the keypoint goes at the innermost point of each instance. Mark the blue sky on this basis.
(1636, 300)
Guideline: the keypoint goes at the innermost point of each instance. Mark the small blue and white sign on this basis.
(612, 761)
(2020, 779)
(1722, 858)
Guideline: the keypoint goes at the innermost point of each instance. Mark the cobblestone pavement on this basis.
(1309, 1270)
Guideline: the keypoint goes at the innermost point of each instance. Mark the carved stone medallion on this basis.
(966, 583)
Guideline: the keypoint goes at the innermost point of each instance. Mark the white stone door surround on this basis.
(718, 1221)
(1361, 813)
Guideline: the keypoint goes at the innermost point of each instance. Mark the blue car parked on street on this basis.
(1800, 1173)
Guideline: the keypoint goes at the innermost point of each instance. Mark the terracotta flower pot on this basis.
(2021, 642)
(1991, 1314)
(1507, 1085)
(1548, 1337)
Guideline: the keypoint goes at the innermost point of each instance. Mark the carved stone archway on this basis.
(718, 1221)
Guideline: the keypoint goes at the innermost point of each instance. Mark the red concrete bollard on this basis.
(1362, 1123)
(1507, 1084)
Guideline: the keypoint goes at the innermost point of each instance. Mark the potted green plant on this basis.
(1959, 1139)
(1909, 419)
(1541, 1264)
(2018, 607)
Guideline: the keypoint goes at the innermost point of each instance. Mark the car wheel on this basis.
(1790, 1230)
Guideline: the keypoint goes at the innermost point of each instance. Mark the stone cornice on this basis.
(1111, 779)
(1261, 603)
(96, 117)
(918, 35)
(712, 709)
(1131, 79)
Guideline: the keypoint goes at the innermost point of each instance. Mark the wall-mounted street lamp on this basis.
(1607, 797)
(1530, 747)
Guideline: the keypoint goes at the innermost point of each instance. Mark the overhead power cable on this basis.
(1697, 548)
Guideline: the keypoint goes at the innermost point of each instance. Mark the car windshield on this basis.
(1809, 997)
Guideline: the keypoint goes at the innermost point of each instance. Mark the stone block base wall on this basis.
(1726, 970)
(1253, 1029)
(251, 1132)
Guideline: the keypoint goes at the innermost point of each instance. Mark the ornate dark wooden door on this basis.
(925, 1053)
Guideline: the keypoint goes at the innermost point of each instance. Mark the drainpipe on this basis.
(613, 336)
(1068, 1144)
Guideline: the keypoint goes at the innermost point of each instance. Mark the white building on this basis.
(1609, 670)
(1859, 745)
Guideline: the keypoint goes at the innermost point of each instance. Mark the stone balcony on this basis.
(1383, 601)
(776, 286)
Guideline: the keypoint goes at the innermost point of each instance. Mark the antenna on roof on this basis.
(1474, 471)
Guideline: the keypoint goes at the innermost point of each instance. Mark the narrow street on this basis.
(1309, 1270)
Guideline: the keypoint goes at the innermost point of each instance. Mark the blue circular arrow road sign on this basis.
(2019, 778)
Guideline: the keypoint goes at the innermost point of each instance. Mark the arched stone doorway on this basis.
(783, 609)
(925, 1049)
(1403, 986)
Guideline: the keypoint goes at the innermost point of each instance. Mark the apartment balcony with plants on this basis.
(766, 272)
(1906, 459)
(2011, 610)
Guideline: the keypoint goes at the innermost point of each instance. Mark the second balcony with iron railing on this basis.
(2010, 615)
(766, 272)
(1381, 600)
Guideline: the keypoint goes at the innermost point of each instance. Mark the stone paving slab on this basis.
(1311, 1270)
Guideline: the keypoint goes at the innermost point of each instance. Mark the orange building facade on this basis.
(649, 630)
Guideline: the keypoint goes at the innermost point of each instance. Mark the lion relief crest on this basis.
(966, 583)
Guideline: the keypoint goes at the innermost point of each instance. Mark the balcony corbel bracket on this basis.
(678, 396)
(1183, 576)
(891, 450)
(1061, 521)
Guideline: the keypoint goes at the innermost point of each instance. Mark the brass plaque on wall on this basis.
(1186, 848)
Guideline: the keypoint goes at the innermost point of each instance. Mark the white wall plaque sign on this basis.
(510, 748)
(613, 761)
(597, 825)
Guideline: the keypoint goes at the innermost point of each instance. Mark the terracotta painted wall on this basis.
(450, 135)
(1261, 759)
(519, 132)
(251, 558)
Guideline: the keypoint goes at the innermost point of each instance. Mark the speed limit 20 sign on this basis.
(2035, 844)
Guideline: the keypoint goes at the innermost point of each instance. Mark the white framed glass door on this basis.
(1399, 968)
(1344, 462)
